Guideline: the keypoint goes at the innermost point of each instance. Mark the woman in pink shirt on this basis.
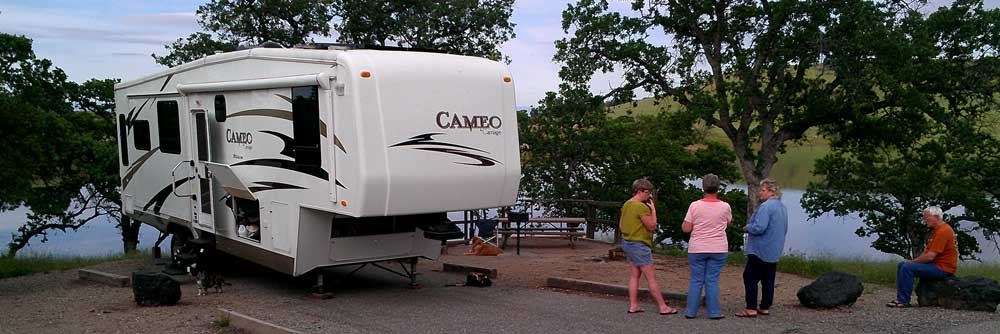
(707, 220)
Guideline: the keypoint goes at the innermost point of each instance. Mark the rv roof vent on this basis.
(270, 45)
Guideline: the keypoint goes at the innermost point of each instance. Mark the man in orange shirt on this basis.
(939, 259)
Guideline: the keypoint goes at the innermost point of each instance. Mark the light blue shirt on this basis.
(766, 231)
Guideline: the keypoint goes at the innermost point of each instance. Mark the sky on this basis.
(114, 38)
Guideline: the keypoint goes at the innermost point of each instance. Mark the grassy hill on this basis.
(794, 167)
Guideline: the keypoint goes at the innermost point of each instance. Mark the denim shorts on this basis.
(638, 253)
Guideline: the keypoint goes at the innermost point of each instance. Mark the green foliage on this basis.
(221, 321)
(230, 23)
(469, 27)
(766, 72)
(571, 149)
(31, 264)
(59, 140)
(192, 48)
(935, 146)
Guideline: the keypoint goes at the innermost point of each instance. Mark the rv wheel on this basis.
(178, 242)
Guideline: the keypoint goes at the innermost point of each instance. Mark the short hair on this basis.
(710, 183)
(935, 211)
(641, 184)
(772, 185)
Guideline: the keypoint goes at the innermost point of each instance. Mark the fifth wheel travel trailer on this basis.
(304, 158)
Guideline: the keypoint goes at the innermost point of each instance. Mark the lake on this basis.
(825, 236)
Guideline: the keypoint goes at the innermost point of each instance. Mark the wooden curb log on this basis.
(608, 289)
(254, 325)
(104, 278)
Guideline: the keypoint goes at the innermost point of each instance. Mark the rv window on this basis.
(140, 135)
(220, 108)
(123, 139)
(305, 127)
(169, 125)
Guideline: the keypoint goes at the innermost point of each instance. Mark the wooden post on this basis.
(618, 231)
(591, 224)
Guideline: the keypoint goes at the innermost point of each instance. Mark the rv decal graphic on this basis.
(133, 116)
(284, 98)
(426, 142)
(288, 143)
(161, 196)
(245, 138)
(166, 81)
(135, 167)
(265, 186)
(275, 113)
(286, 164)
(446, 120)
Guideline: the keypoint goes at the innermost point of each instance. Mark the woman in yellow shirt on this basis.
(638, 221)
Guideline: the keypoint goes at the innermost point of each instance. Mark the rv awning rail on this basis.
(319, 79)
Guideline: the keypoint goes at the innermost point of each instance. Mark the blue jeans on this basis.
(705, 269)
(905, 273)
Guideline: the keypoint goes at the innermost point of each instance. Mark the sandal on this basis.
(636, 311)
(763, 312)
(897, 304)
(746, 314)
(672, 311)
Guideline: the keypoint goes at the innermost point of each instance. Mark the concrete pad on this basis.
(603, 288)
(254, 325)
(104, 278)
(464, 268)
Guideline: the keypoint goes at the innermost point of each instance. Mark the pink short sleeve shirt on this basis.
(710, 218)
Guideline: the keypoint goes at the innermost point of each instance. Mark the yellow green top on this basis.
(631, 223)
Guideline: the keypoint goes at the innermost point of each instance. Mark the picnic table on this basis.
(546, 226)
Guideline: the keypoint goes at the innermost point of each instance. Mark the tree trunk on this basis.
(752, 178)
(130, 234)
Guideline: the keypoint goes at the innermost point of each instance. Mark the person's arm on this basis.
(650, 221)
(926, 257)
(934, 247)
(759, 225)
(688, 225)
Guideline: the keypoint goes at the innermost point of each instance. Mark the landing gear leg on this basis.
(410, 272)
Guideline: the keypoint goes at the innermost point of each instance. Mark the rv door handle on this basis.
(173, 179)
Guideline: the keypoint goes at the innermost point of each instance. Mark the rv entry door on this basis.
(201, 204)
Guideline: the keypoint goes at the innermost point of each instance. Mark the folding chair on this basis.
(486, 229)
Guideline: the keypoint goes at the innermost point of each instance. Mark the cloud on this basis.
(183, 20)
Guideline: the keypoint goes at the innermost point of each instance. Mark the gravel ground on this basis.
(60, 303)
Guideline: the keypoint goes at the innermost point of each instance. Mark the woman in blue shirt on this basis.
(765, 241)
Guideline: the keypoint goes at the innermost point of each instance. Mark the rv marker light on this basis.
(366, 74)
(343, 203)
(506, 79)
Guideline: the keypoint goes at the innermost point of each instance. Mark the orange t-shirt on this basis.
(942, 241)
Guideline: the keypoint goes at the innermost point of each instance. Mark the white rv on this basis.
(299, 159)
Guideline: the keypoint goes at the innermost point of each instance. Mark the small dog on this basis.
(482, 248)
(207, 279)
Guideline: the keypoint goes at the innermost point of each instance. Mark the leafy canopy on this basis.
(59, 140)
(468, 27)
(573, 149)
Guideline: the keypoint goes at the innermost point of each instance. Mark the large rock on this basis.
(961, 293)
(830, 290)
(155, 289)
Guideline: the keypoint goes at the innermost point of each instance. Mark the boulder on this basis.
(830, 290)
(155, 289)
(972, 293)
